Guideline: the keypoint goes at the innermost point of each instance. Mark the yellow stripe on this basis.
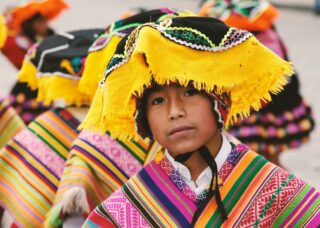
(28, 196)
(104, 160)
(152, 204)
(53, 142)
(247, 196)
(154, 149)
(67, 129)
(6, 117)
(39, 167)
(224, 190)
(136, 149)
(12, 204)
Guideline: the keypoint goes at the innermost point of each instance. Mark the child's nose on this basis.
(176, 109)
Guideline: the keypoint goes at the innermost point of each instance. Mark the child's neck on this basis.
(196, 164)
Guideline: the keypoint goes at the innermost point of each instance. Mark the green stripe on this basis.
(19, 180)
(138, 145)
(131, 151)
(13, 121)
(133, 25)
(106, 213)
(52, 136)
(288, 210)
(136, 203)
(309, 213)
(258, 162)
(273, 197)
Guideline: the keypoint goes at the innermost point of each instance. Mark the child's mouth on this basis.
(180, 131)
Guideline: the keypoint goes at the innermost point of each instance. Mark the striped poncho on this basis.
(10, 122)
(31, 165)
(254, 192)
(97, 166)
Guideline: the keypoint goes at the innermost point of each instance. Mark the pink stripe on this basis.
(35, 146)
(188, 208)
(21, 204)
(143, 201)
(314, 222)
(49, 120)
(306, 207)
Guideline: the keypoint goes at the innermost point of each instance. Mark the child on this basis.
(10, 122)
(28, 23)
(287, 121)
(98, 165)
(32, 162)
(199, 77)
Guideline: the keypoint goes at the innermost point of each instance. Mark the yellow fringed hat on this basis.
(104, 47)
(55, 67)
(3, 31)
(214, 57)
(251, 15)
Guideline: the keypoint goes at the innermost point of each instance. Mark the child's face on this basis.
(40, 26)
(181, 119)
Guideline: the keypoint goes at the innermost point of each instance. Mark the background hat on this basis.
(214, 57)
(47, 8)
(252, 15)
(104, 47)
(3, 31)
(55, 66)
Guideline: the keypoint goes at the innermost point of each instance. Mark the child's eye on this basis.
(191, 92)
(157, 101)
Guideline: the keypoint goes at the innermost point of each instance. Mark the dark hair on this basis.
(27, 27)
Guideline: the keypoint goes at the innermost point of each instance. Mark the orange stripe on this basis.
(227, 185)
(55, 132)
(245, 199)
(301, 208)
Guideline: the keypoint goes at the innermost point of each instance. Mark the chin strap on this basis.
(183, 157)
(206, 155)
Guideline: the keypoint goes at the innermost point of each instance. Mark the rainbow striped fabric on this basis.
(10, 122)
(96, 167)
(31, 165)
(255, 193)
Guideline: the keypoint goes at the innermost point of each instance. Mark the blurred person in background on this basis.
(287, 121)
(32, 162)
(10, 122)
(27, 24)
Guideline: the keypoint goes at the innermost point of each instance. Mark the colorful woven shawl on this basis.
(96, 167)
(254, 192)
(31, 165)
(10, 122)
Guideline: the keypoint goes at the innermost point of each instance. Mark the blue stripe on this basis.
(169, 206)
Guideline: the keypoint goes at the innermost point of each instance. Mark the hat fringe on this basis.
(28, 74)
(95, 66)
(249, 72)
(56, 88)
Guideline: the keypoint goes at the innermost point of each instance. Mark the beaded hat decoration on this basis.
(199, 50)
(104, 47)
(251, 15)
(47, 8)
(55, 66)
(3, 31)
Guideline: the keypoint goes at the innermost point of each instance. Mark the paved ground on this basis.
(299, 29)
